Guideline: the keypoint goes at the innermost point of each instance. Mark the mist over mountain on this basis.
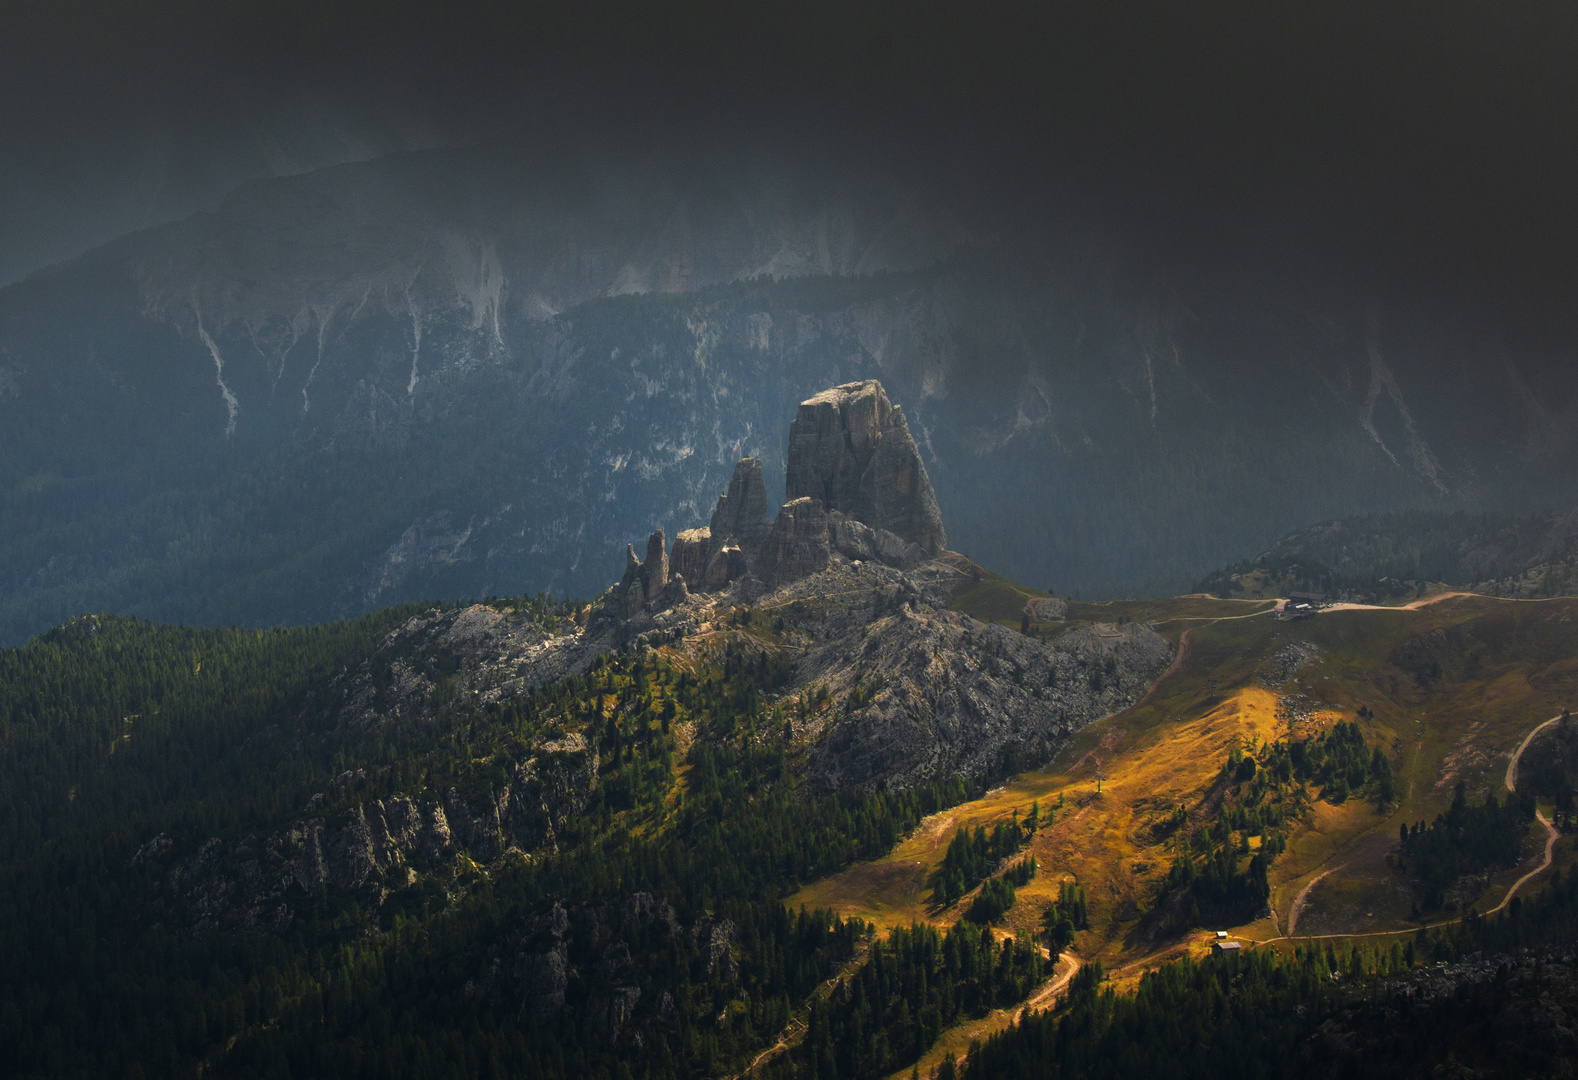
(1155, 288)
(474, 371)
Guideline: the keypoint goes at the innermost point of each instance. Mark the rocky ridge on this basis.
(888, 687)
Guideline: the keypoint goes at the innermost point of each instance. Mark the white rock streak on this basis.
(416, 333)
(219, 374)
(1382, 382)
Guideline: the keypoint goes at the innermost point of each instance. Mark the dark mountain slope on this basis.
(1400, 555)
(457, 373)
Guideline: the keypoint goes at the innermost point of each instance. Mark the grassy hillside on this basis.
(1445, 692)
(194, 881)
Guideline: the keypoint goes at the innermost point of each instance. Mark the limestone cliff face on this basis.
(920, 692)
(374, 847)
(741, 513)
(850, 448)
(692, 550)
(798, 544)
(646, 581)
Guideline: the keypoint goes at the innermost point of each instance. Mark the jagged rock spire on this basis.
(741, 513)
(643, 581)
(855, 486)
(851, 449)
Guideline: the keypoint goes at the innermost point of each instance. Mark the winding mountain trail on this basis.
(1517, 755)
(794, 1032)
(1552, 835)
(1049, 993)
(1180, 658)
(997, 1020)
(1297, 907)
(1511, 780)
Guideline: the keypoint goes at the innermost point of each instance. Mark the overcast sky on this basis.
(1435, 139)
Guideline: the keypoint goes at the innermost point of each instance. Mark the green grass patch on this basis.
(989, 597)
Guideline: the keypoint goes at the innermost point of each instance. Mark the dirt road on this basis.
(1551, 834)
(1415, 605)
(1517, 755)
(1512, 785)
(1297, 907)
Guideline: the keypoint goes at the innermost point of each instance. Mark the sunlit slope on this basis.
(1448, 691)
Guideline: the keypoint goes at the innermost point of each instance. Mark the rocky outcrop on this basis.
(375, 847)
(724, 551)
(1046, 608)
(644, 580)
(729, 563)
(920, 692)
(741, 513)
(960, 697)
(654, 569)
(855, 483)
(857, 541)
(692, 552)
(798, 544)
(851, 448)
(481, 654)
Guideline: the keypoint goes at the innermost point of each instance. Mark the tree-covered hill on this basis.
(1389, 557)
(134, 751)
(381, 848)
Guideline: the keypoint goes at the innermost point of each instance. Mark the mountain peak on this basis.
(855, 484)
(850, 448)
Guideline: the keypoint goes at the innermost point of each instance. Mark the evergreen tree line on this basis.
(1388, 556)
(1342, 762)
(1465, 840)
(1314, 1012)
(913, 985)
(997, 895)
(110, 719)
(973, 854)
(1214, 879)
(1065, 915)
(101, 975)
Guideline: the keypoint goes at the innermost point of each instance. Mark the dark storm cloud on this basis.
(1434, 140)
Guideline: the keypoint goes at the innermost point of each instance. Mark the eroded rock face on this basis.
(373, 847)
(957, 696)
(654, 570)
(798, 544)
(741, 514)
(644, 581)
(856, 486)
(692, 551)
(858, 541)
(851, 448)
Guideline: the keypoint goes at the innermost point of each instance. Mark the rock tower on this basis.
(855, 485)
(851, 449)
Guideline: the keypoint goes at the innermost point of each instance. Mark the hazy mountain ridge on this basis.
(416, 377)
(1382, 556)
